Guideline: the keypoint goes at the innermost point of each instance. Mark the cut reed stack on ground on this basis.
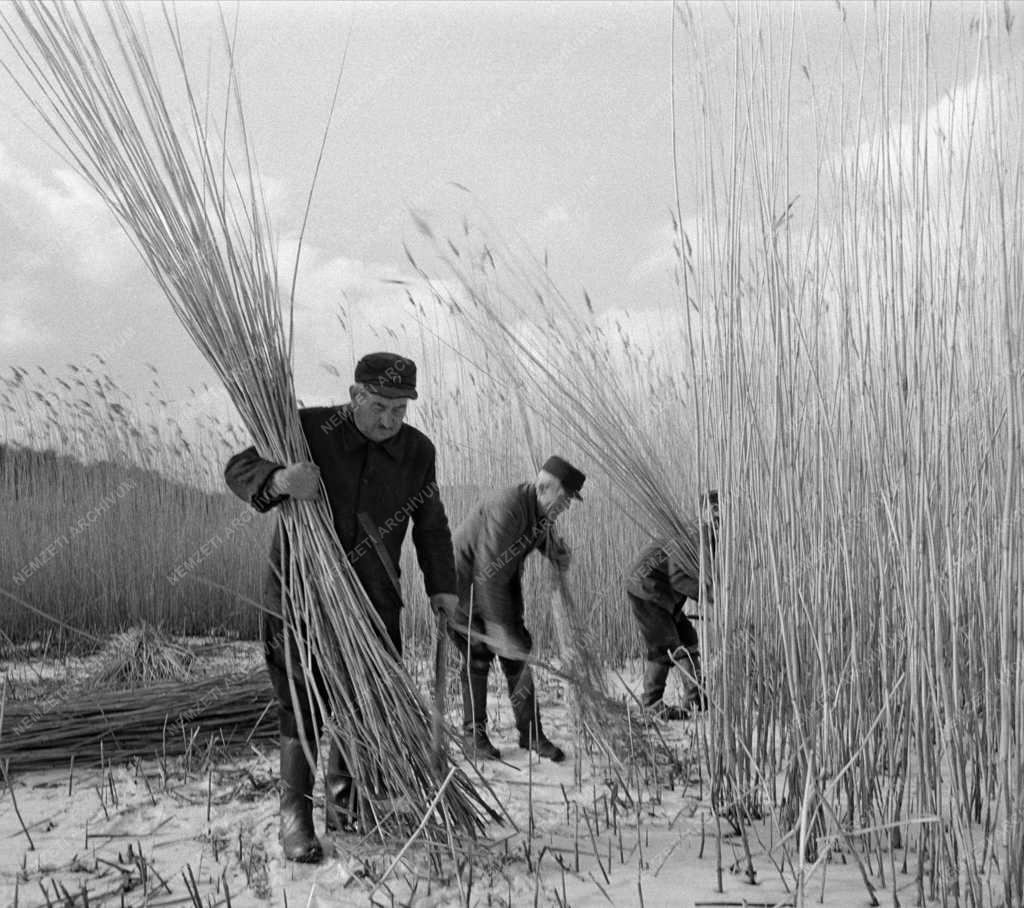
(142, 655)
(852, 263)
(93, 722)
(201, 226)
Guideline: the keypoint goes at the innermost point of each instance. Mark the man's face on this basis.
(376, 416)
(552, 498)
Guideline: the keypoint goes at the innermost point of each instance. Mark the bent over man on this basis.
(376, 472)
(665, 574)
(491, 545)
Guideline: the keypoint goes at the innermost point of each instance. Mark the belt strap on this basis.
(378, 546)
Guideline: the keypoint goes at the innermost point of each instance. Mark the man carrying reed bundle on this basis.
(665, 574)
(376, 472)
(491, 545)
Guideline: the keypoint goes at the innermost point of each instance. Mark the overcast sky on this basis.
(556, 116)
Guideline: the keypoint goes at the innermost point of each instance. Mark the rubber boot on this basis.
(655, 678)
(340, 812)
(524, 708)
(694, 699)
(474, 717)
(297, 835)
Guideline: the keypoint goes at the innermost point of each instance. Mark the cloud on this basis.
(659, 257)
(548, 228)
(346, 307)
(950, 143)
(328, 286)
(63, 224)
(556, 215)
(17, 176)
(17, 331)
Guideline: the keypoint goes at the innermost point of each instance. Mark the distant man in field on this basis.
(374, 470)
(664, 575)
(491, 545)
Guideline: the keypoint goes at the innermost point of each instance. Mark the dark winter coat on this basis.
(390, 481)
(665, 573)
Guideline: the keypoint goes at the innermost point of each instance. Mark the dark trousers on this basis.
(476, 659)
(303, 705)
(663, 632)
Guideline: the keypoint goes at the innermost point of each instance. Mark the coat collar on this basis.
(352, 439)
(528, 493)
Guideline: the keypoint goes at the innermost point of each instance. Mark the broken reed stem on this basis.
(416, 832)
(14, 803)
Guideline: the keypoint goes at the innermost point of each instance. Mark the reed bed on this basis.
(81, 411)
(856, 343)
(181, 558)
(100, 545)
(201, 225)
(537, 338)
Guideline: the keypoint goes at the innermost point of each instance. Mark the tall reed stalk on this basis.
(856, 336)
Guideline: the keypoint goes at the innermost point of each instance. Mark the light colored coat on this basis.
(491, 545)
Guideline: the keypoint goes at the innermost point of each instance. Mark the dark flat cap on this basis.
(572, 479)
(387, 374)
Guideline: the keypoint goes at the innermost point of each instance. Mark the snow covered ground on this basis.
(203, 831)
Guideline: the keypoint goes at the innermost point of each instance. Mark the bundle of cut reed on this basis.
(598, 715)
(142, 655)
(201, 226)
(112, 724)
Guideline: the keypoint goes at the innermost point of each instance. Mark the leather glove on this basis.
(298, 480)
(446, 603)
